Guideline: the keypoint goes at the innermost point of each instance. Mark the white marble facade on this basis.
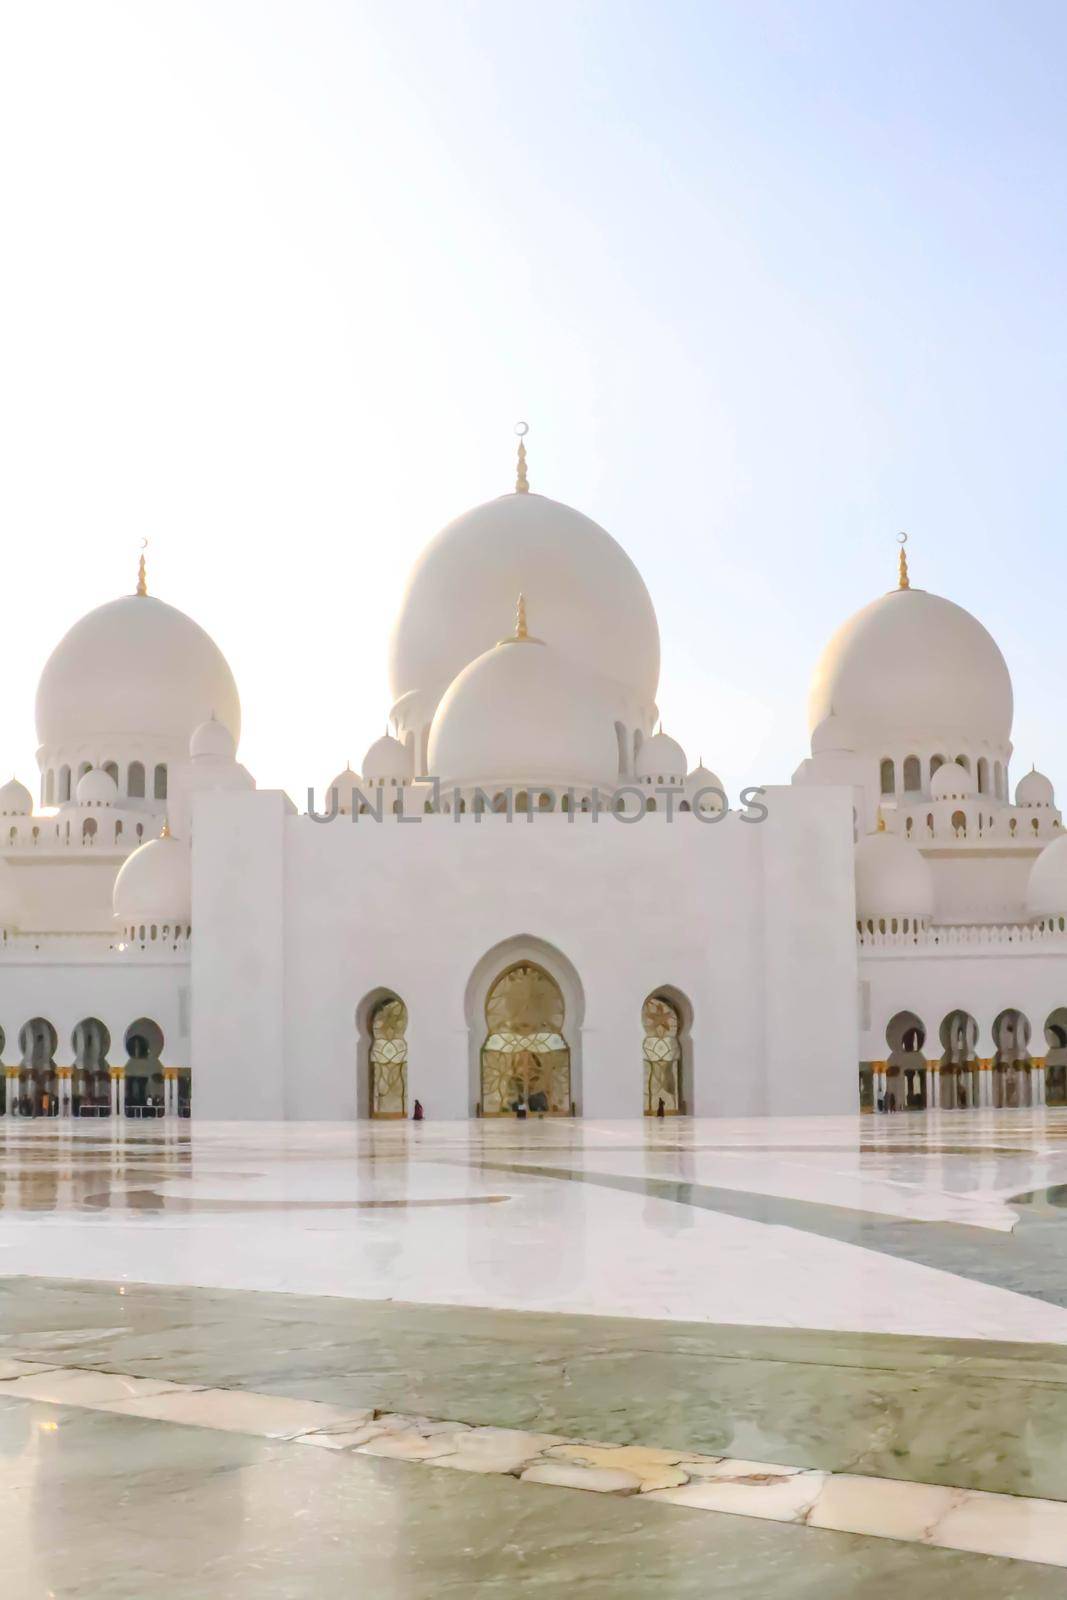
(528, 901)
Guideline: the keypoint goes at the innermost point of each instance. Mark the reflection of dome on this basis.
(892, 879)
(387, 761)
(702, 778)
(661, 758)
(10, 900)
(134, 666)
(586, 594)
(15, 799)
(96, 788)
(911, 667)
(344, 783)
(1034, 789)
(1046, 892)
(522, 712)
(952, 782)
(154, 883)
(212, 740)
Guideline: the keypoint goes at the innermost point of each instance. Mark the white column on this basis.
(1037, 1084)
(933, 1085)
(122, 1092)
(114, 1095)
(14, 1087)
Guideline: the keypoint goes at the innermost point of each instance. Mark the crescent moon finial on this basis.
(903, 581)
(142, 585)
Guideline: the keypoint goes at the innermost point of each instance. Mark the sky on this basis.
(769, 282)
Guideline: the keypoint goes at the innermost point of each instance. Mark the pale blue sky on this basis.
(769, 282)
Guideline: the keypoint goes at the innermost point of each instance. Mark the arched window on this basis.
(159, 783)
(88, 830)
(49, 788)
(86, 766)
(64, 784)
(135, 780)
(935, 762)
(964, 762)
(889, 777)
(998, 780)
(959, 823)
(983, 775)
(112, 770)
(913, 773)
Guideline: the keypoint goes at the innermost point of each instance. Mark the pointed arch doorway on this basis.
(525, 1057)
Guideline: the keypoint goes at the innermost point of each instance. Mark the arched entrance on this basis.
(1056, 1057)
(39, 1091)
(91, 1080)
(144, 1094)
(525, 1058)
(1011, 1064)
(958, 1071)
(388, 1059)
(905, 1073)
(664, 1021)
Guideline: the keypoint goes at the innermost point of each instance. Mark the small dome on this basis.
(344, 783)
(523, 713)
(213, 741)
(698, 782)
(661, 757)
(892, 879)
(1046, 892)
(1034, 790)
(15, 799)
(154, 883)
(96, 788)
(952, 782)
(387, 761)
(10, 899)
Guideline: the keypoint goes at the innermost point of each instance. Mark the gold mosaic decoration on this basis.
(662, 1053)
(389, 1060)
(525, 1058)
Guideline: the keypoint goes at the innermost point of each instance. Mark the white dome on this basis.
(588, 598)
(96, 788)
(15, 799)
(154, 883)
(1034, 789)
(387, 761)
(522, 713)
(1046, 892)
(135, 666)
(702, 778)
(911, 668)
(661, 757)
(10, 899)
(952, 782)
(892, 879)
(212, 741)
(344, 783)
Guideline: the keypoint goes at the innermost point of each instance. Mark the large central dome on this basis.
(588, 597)
(911, 665)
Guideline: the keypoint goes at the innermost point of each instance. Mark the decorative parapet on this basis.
(963, 936)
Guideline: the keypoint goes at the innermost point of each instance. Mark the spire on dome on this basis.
(522, 482)
(904, 582)
(164, 832)
(142, 585)
(520, 618)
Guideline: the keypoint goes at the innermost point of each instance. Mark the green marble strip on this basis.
(1017, 1528)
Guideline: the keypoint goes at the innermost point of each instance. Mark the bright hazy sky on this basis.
(769, 282)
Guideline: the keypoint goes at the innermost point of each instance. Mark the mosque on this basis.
(528, 901)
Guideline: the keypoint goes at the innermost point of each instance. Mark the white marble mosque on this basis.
(174, 938)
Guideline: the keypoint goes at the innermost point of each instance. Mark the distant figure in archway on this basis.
(418, 1113)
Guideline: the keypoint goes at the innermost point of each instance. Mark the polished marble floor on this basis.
(863, 1314)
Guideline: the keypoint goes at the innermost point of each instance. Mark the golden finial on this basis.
(165, 830)
(520, 618)
(902, 540)
(522, 482)
(881, 819)
(142, 586)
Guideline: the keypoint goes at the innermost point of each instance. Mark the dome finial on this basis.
(522, 482)
(164, 832)
(142, 585)
(904, 582)
(520, 618)
(881, 819)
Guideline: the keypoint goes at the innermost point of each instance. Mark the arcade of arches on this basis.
(138, 1085)
(948, 1074)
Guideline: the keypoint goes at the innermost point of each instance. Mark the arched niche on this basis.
(509, 953)
(658, 1033)
(382, 1053)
